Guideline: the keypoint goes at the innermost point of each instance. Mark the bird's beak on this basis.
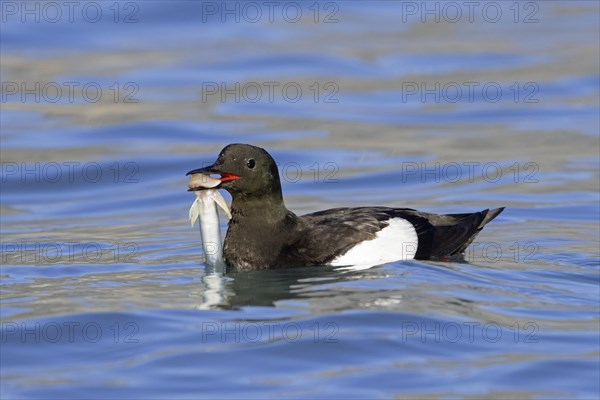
(205, 171)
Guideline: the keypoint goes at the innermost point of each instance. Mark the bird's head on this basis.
(244, 170)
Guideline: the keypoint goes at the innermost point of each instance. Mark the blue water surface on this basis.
(104, 290)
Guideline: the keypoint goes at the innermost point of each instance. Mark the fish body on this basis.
(204, 209)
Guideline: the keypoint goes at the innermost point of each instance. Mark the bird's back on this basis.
(335, 231)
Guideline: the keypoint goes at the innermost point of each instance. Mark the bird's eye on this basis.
(251, 163)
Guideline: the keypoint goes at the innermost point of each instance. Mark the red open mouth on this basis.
(229, 177)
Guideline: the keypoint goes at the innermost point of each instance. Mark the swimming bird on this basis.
(264, 234)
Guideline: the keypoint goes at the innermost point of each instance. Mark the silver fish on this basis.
(204, 208)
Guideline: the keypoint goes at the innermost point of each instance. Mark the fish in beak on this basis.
(202, 178)
(204, 208)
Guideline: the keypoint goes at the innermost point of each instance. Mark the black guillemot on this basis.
(264, 234)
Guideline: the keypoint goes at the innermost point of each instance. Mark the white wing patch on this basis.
(397, 241)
